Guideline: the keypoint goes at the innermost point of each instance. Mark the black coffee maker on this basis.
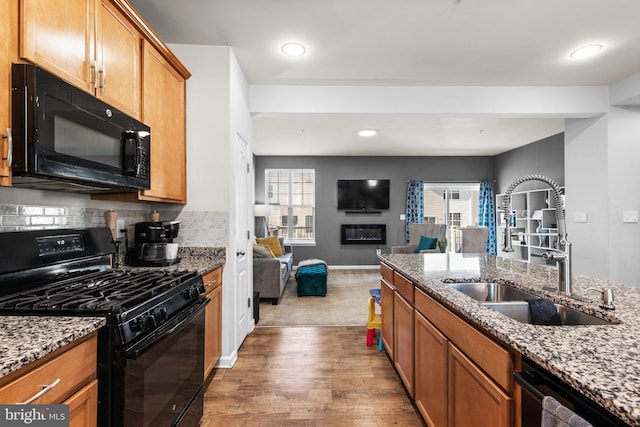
(153, 244)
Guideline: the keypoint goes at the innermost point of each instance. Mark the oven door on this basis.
(161, 376)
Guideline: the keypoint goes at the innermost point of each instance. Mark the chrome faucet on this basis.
(562, 255)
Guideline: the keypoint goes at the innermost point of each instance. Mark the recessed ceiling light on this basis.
(293, 49)
(367, 132)
(586, 51)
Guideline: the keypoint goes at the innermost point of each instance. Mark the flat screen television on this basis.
(363, 194)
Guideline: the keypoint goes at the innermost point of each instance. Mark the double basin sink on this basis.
(512, 303)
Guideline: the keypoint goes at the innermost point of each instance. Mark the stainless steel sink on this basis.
(491, 292)
(519, 310)
(512, 303)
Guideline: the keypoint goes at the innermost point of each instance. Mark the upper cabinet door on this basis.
(58, 35)
(117, 60)
(88, 43)
(163, 91)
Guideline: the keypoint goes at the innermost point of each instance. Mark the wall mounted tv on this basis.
(363, 194)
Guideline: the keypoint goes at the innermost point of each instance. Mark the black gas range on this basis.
(150, 353)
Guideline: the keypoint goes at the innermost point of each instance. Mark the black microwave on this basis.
(66, 139)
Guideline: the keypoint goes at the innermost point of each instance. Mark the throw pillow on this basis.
(260, 251)
(273, 243)
(426, 243)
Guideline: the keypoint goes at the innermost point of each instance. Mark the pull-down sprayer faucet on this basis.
(562, 256)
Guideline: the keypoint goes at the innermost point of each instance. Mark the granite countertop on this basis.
(602, 362)
(24, 339)
(202, 259)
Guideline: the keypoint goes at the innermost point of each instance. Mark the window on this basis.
(291, 192)
(454, 219)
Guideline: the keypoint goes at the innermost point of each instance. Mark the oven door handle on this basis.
(526, 384)
(178, 322)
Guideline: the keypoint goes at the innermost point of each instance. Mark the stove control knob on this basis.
(159, 314)
(143, 323)
(191, 293)
(147, 322)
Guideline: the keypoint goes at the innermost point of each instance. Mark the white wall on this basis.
(603, 179)
(624, 193)
(216, 110)
(208, 116)
(585, 174)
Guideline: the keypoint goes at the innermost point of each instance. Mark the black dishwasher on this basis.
(536, 383)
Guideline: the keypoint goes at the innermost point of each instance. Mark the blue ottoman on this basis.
(312, 280)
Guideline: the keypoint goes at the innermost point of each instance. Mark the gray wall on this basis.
(544, 157)
(398, 169)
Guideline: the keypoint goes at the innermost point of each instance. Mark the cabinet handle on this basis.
(9, 137)
(211, 283)
(41, 393)
(103, 78)
(94, 75)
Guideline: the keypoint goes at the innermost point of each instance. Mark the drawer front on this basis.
(386, 272)
(403, 286)
(212, 279)
(74, 368)
(487, 354)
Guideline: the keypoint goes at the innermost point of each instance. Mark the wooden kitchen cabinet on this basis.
(403, 330)
(163, 110)
(5, 94)
(474, 399)
(75, 367)
(83, 408)
(431, 378)
(118, 54)
(213, 320)
(398, 323)
(387, 291)
(456, 374)
(88, 43)
(403, 333)
(477, 384)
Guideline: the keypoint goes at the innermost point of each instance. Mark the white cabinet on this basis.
(533, 225)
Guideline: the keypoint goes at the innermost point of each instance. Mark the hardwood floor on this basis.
(308, 376)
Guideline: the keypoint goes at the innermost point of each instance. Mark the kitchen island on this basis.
(601, 362)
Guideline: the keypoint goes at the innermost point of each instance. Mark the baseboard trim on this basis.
(227, 362)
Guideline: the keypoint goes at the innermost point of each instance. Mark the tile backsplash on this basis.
(196, 228)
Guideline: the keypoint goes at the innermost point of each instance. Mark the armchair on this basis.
(474, 240)
(438, 231)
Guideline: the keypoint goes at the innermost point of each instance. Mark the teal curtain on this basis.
(487, 215)
(414, 213)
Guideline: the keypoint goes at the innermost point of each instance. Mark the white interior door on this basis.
(243, 311)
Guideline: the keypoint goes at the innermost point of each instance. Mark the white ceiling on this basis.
(408, 43)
